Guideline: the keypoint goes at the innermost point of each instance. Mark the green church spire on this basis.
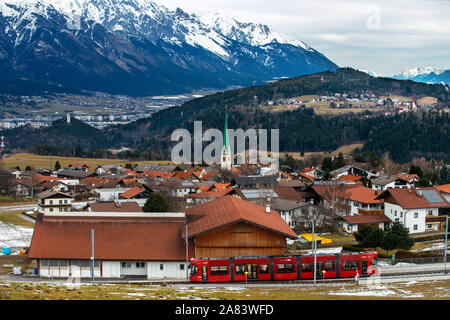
(225, 136)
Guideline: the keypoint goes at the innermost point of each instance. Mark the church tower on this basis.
(225, 160)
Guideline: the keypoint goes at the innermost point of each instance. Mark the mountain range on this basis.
(425, 74)
(138, 47)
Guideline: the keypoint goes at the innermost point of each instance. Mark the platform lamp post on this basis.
(314, 251)
(187, 253)
(446, 243)
(92, 254)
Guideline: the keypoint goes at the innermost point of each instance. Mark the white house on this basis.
(417, 209)
(109, 194)
(54, 202)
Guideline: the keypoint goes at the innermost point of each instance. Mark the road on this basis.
(17, 207)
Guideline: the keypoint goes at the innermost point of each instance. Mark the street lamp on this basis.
(446, 239)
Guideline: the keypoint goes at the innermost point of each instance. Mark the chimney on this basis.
(118, 204)
(268, 208)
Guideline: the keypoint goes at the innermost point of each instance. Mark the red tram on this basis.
(342, 265)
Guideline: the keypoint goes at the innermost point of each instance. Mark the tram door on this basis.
(319, 268)
(204, 273)
(364, 266)
(252, 272)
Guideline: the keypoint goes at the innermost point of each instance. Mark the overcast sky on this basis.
(381, 36)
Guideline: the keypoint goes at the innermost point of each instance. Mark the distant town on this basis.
(97, 109)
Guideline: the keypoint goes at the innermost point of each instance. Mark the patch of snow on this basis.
(14, 236)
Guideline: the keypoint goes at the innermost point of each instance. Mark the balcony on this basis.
(370, 212)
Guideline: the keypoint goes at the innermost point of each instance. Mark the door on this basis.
(205, 273)
(364, 266)
(319, 269)
(252, 272)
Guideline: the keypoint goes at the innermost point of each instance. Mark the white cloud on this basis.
(384, 36)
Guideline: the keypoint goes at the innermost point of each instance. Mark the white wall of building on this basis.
(414, 219)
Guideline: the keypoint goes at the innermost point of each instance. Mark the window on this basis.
(263, 268)
(430, 212)
(401, 214)
(430, 226)
(60, 201)
(60, 209)
(194, 270)
(306, 267)
(395, 213)
(126, 265)
(350, 265)
(219, 270)
(181, 266)
(240, 268)
(416, 215)
(50, 201)
(329, 265)
(51, 209)
(65, 201)
(285, 267)
(415, 227)
(140, 265)
(161, 266)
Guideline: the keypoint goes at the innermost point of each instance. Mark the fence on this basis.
(423, 260)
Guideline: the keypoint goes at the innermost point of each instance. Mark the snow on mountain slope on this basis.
(412, 73)
(249, 33)
(109, 41)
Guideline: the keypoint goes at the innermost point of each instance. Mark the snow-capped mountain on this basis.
(140, 47)
(424, 74)
(370, 73)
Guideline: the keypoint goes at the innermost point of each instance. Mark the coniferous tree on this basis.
(444, 175)
(156, 203)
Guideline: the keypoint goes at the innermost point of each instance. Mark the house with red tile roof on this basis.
(445, 191)
(350, 199)
(352, 224)
(417, 209)
(135, 193)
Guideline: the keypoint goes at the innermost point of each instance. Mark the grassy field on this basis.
(14, 218)
(41, 291)
(7, 200)
(346, 150)
(24, 159)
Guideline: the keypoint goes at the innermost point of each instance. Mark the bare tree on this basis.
(6, 182)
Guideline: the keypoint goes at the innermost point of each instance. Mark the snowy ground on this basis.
(324, 251)
(13, 236)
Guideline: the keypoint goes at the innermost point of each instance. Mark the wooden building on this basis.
(230, 227)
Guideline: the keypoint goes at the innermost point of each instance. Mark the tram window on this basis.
(263, 268)
(329, 265)
(306, 267)
(219, 270)
(194, 270)
(240, 268)
(350, 265)
(285, 268)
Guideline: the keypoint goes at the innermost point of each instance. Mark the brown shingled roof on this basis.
(366, 219)
(115, 207)
(115, 239)
(228, 210)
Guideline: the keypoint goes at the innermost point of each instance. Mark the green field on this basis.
(396, 291)
(14, 218)
(36, 161)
